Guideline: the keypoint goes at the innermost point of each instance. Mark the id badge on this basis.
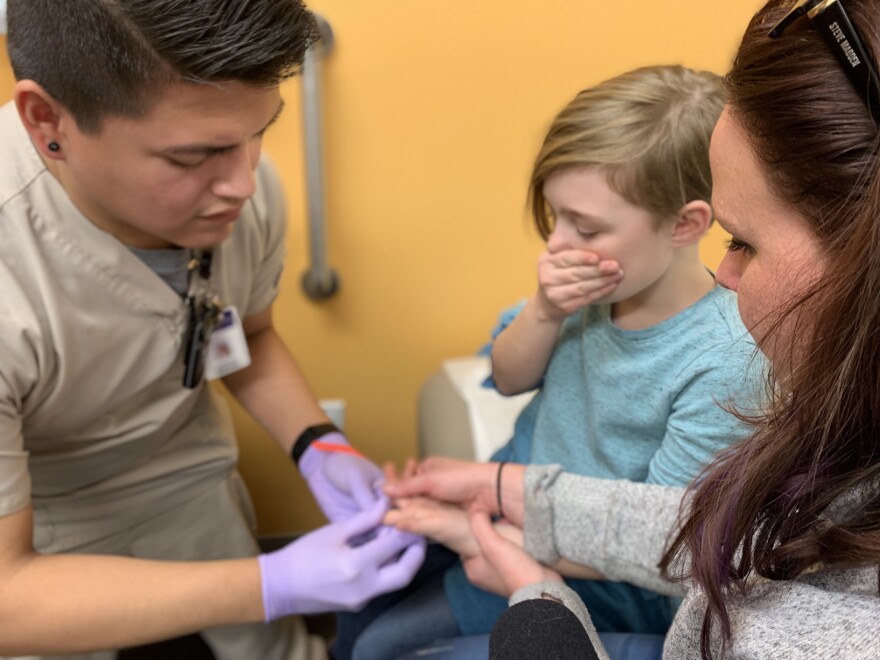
(228, 349)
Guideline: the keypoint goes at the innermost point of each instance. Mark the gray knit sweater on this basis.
(621, 529)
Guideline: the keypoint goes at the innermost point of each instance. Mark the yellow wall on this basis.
(433, 113)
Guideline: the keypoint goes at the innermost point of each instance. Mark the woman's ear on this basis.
(42, 117)
(693, 221)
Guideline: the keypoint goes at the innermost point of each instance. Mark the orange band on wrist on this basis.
(342, 449)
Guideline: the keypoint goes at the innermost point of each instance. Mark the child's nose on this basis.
(558, 240)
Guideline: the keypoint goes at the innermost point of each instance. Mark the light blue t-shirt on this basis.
(644, 405)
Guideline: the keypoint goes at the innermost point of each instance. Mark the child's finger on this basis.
(390, 471)
(573, 257)
(418, 503)
(572, 297)
(579, 301)
(553, 276)
(415, 523)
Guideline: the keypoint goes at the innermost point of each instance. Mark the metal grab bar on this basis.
(319, 281)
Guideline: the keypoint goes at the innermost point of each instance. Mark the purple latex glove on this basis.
(343, 482)
(323, 571)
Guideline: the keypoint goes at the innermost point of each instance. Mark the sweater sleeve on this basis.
(618, 527)
(569, 599)
(832, 614)
(622, 529)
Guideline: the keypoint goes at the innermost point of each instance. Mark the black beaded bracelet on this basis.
(308, 436)
(498, 488)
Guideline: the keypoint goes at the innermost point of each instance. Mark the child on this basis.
(633, 344)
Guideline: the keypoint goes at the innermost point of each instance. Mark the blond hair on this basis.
(648, 130)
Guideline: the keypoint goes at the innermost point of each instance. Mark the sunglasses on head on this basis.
(830, 19)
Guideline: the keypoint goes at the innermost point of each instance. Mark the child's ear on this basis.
(693, 221)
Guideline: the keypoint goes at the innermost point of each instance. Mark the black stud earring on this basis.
(54, 146)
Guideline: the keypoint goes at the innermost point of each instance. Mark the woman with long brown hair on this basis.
(776, 547)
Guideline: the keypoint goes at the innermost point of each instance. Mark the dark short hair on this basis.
(110, 57)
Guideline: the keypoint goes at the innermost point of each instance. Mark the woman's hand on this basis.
(502, 567)
(449, 480)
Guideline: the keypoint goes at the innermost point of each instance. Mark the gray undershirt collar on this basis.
(168, 263)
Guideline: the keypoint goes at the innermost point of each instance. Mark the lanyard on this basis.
(205, 310)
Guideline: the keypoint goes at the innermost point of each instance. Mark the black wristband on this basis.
(308, 436)
(498, 488)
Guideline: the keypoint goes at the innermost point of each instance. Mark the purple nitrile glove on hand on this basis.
(343, 482)
(323, 571)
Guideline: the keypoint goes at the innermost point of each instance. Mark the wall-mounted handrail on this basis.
(319, 281)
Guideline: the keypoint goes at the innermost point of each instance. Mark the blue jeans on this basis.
(620, 646)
